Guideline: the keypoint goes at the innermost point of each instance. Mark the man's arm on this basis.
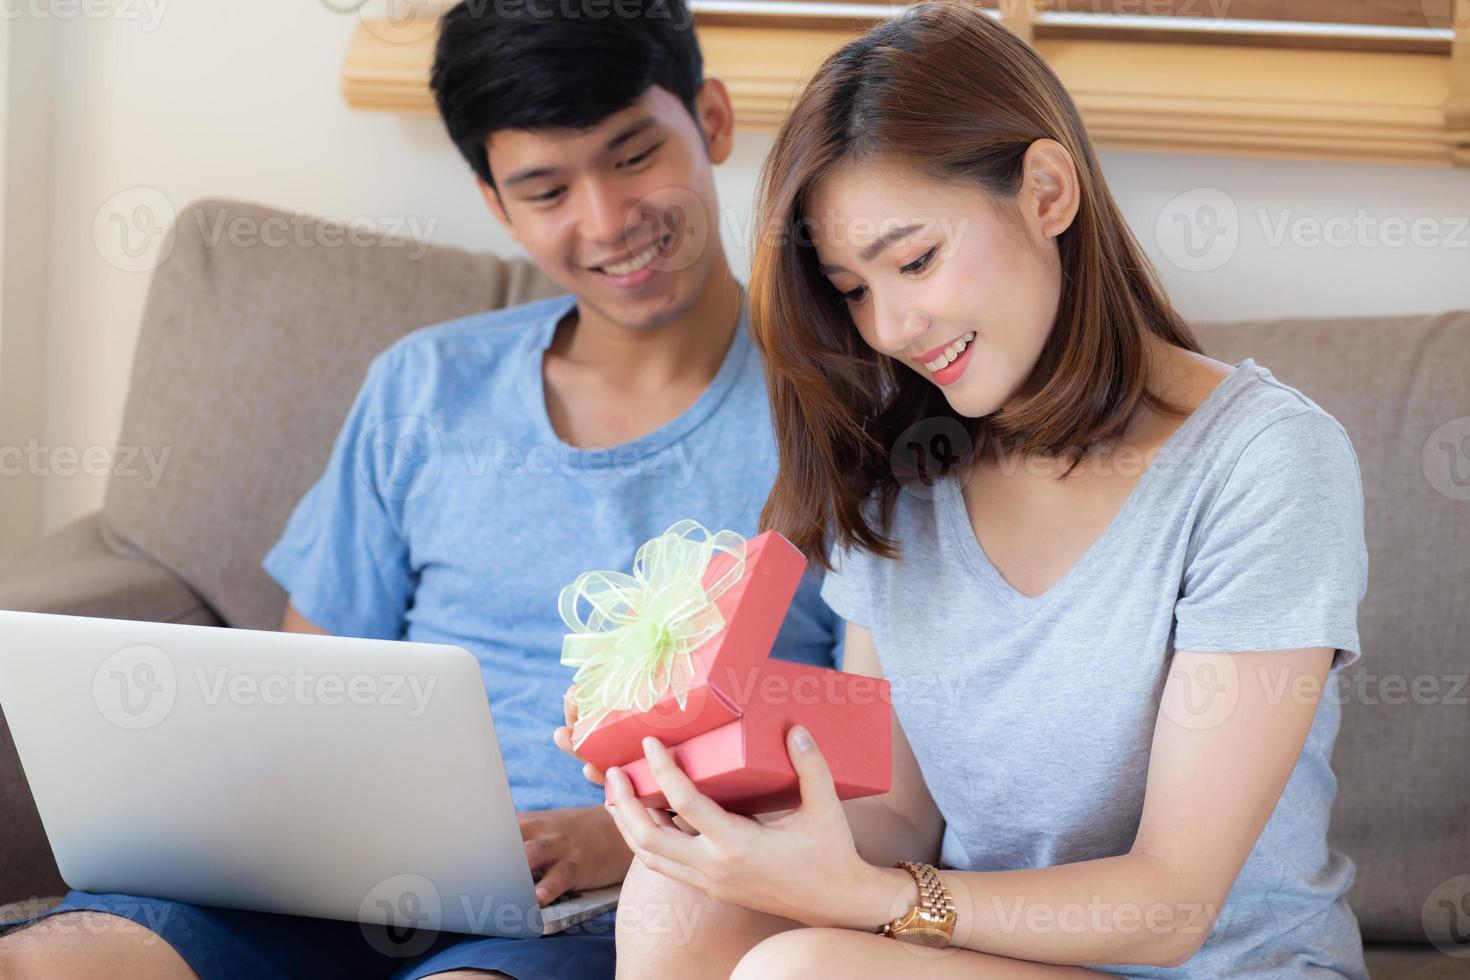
(569, 848)
(297, 623)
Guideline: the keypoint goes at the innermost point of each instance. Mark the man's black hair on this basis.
(556, 64)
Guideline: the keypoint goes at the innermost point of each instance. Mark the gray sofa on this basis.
(249, 357)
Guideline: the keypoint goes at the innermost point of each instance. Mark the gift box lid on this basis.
(753, 610)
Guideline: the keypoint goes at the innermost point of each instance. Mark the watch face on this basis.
(925, 937)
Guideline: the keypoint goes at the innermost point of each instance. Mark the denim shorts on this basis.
(228, 944)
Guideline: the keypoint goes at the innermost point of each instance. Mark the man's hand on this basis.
(573, 849)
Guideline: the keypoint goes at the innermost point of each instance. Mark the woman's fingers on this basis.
(700, 813)
(818, 793)
(642, 833)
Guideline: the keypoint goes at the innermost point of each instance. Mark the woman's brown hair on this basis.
(950, 93)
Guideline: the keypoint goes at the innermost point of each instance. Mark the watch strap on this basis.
(933, 919)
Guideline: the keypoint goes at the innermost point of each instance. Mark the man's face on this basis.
(624, 214)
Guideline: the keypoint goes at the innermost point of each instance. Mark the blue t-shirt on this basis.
(451, 512)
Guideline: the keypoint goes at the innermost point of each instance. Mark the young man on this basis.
(489, 460)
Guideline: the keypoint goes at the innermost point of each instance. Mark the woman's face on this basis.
(940, 278)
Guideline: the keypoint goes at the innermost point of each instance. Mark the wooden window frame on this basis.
(1372, 93)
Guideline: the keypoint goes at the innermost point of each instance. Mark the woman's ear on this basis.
(716, 118)
(1049, 187)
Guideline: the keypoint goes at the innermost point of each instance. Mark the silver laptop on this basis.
(277, 772)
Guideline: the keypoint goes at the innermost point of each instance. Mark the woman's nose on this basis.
(902, 329)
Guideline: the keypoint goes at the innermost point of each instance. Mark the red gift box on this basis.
(744, 764)
(730, 735)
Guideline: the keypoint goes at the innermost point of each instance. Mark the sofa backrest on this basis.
(251, 350)
(250, 356)
(1400, 386)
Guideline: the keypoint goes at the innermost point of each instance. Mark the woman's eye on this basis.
(917, 265)
(855, 295)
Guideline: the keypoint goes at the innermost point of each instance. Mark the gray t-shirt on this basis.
(1032, 717)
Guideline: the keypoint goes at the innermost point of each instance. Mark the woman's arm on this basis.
(903, 824)
(1214, 778)
(1229, 731)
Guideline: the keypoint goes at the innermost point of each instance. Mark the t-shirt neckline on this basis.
(666, 435)
(953, 512)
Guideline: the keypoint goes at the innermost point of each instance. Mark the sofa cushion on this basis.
(1413, 962)
(248, 359)
(1395, 383)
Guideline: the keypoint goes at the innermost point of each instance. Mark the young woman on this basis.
(1109, 619)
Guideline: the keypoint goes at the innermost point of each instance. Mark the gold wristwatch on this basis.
(931, 922)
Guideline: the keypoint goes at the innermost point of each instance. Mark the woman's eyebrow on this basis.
(872, 249)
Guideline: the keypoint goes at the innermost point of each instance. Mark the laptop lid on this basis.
(279, 772)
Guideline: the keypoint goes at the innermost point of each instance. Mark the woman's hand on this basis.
(563, 737)
(801, 866)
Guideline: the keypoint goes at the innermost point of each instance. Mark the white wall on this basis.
(170, 100)
(25, 118)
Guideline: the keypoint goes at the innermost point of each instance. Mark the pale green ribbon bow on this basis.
(637, 644)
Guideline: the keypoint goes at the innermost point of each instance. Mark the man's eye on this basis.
(634, 161)
(545, 198)
(917, 265)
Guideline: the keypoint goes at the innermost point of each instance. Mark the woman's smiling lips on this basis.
(946, 363)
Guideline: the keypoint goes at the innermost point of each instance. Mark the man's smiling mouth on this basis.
(637, 262)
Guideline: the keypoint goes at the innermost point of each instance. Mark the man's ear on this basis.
(497, 207)
(716, 117)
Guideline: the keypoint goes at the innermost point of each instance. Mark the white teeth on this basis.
(637, 262)
(950, 353)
